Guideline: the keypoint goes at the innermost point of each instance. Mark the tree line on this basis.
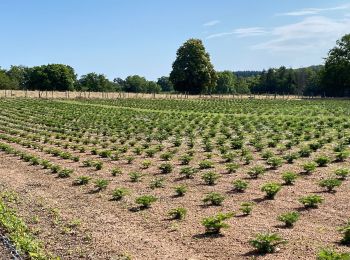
(193, 73)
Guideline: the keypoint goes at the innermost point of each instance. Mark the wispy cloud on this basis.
(240, 32)
(315, 11)
(211, 23)
(311, 33)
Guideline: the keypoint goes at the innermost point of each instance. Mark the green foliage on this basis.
(231, 167)
(145, 201)
(266, 243)
(135, 176)
(82, 180)
(256, 171)
(345, 231)
(166, 168)
(329, 254)
(180, 190)
(214, 224)
(289, 218)
(289, 178)
(116, 171)
(192, 70)
(275, 162)
(330, 184)
(210, 178)
(65, 173)
(271, 189)
(342, 173)
(311, 201)
(157, 183)
(322, 160)
(185, 159)
(247, 207)
(101, 184)
(214, 198)
(240, 185)
(206, 164)
(309, 167)
(120, 193)
(178, 213)
(188, 172)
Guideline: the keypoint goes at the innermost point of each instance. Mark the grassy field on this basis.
(179, 179)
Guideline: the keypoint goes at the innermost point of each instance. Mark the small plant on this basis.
(311, 201)
(166, 168)
(271, 189)
(342, 173)
(145, 201)
(120, 193)
(180, 190)
(210, 178)
(206, 164)
(330, 184)
(185, 159)
(214, 198)
(157, 183)
(214, 224)
(55, 168)
(240, 185)
(146, 164)
(322, 161)
(247, 207)
(345, 231)
(82, 180)
(87, 163)
(178, 213)
(135, 176)
(232, 167)
(291, 157)
(101, 184)
(256, 171)
(266, 243)
(65, 173)
(116, 171)
(188, 172)
(275, 162)
(166, 156)
(129, 159)
(309, 167)
(267, 154)
(289, 218)
(289, 178)
(330, 254)
(342, 156)
(98, 165)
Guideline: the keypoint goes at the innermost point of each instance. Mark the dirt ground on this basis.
(109, 229)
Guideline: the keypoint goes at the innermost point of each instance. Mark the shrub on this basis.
(98, 165)
(305, 152)
(247, 207)
(46, 164)
(166, 156)
(322, 161)
(311, 201)
(120, 193)
(267, 154)
(178, 213)
(291, 157)
(105, 153)
(65, 173)
(116, 171)
(157, 183)
(180, 190)
(240, 185)
(88, 163)
(232, 167)
(256, 171)
(188, 172)
(206, 164)
(166, 168)
(342, 173)
(185, 159)
(146, 164)
(275, 162)
(330, 184)
(266, 242)
(82, 180)
(145, 201)
(135, 176)
(329, 254)
(229, 157)
(342, 156)
(101, 184)
(55, 168)
(271, 189)
(289, 218)
(289, 178)
(214, 198)
(309, 167)
(210, 178)
(214, 224)
(248, 158)
(129, 159)
(345, 231)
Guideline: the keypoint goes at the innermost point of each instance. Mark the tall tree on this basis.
(165, 84)
(20, 75)
(225, 82)
(96, 83)
(192, 70)
(336, 74)
(5, 81)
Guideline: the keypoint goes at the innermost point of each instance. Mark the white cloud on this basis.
(315, 11)
(241, 32)
(311, 33)
(211, 23)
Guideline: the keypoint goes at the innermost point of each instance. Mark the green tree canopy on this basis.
(165, 84)
(135, 83)
(336, 74)
(225, 82)
(96, 83)
(5, 81)
(192, 70)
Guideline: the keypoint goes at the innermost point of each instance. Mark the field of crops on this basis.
(180, 179)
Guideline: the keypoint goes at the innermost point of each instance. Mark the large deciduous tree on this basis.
(226, 82)
(192, 70)
(336, 74)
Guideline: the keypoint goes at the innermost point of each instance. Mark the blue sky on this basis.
(120, 38)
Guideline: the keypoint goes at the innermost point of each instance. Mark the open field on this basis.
(78, 169)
